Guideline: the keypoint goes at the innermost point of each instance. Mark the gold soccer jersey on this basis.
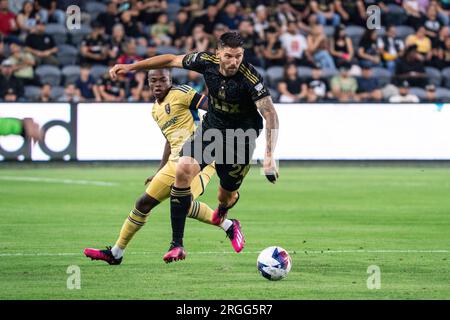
(177, 116)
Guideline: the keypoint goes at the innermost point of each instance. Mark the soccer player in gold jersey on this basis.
(176, 113)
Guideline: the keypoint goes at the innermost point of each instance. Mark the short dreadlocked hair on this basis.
(230, 39)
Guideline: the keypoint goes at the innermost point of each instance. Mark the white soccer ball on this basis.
(274, 263)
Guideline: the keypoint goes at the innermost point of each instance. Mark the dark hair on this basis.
(230, 39)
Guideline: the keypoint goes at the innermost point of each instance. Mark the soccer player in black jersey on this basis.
(237, 99)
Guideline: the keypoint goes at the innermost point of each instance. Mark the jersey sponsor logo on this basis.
(224, 106)
(169, 123)
(167, 108)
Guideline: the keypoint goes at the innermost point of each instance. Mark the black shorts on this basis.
(231, 151)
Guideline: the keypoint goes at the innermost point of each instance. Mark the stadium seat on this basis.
(419, 92)
(446, 76)
(383, 75)
(434, 76)
(172, 10)
(32, 92)
(274, 75)
(71, 74)
(167, 50)
(329, 30)
(261, 71)
(98, 71)
(57, 92)
(58, 32)
(355, 33)
(443, 94)
(179, 75)
(49, 74)
(76, 36)
(304, 72)
(274, 94)
(67, 55)
(141, 51)
(404, 31)
(95, 8)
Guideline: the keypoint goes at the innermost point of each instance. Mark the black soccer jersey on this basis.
(231, 103)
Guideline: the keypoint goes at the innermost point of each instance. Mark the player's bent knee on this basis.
(146, 203)
(186, 170)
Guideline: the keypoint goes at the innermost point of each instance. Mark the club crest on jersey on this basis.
(221, 93)
(167, 107)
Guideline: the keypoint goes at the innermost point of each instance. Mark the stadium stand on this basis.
(159, 26)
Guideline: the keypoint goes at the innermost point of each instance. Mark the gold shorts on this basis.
(159, 187)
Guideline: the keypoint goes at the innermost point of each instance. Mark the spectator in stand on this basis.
(161, 31)
(94, 47)
(295, 45)
(200, 41)
(230, 17)
(422, 42)
(351, 12)
(130, 55)
(85, 84)
(27, 19)
(261, 25)
(133, 28)
(432, 25)
(117, 42)
(147, 95)
(325, 12)
(252, 44)
(9, 81)
(46, 93)
(273, 52)
(42, 46)
(314, 88)
(318, 47)
(48, 11)
(284, 14)
(290, 86)
(8, 25)
(151, 49)
(110, 17)
(430, 94)
(404, 96)
(391, 48)
(344, 86)
(196, 81)
(9, 96)
(368, 52)
(414, 15)
(182, 29)
(23, 64)
(136, 87)
(71, 94)
(368, 86)
(441, 53)
(411, 67)
(443, 9)
(219, 30)
(208, 20)
(111, 90)
(150, 10)
(341, 47)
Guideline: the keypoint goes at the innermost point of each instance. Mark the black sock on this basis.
(180, 202)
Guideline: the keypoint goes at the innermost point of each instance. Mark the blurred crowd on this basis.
(307, 51)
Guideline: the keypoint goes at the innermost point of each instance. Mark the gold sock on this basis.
(201, 211)
(132, 224)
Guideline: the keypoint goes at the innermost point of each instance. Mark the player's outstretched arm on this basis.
(267, 110)
(157, 62)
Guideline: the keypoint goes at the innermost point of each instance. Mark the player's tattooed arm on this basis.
(267, 110)
(157, 62)
(163, 162)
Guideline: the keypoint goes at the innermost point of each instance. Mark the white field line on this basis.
(63, 181)
(139, 253)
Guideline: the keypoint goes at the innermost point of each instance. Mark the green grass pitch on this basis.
(334, 221)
